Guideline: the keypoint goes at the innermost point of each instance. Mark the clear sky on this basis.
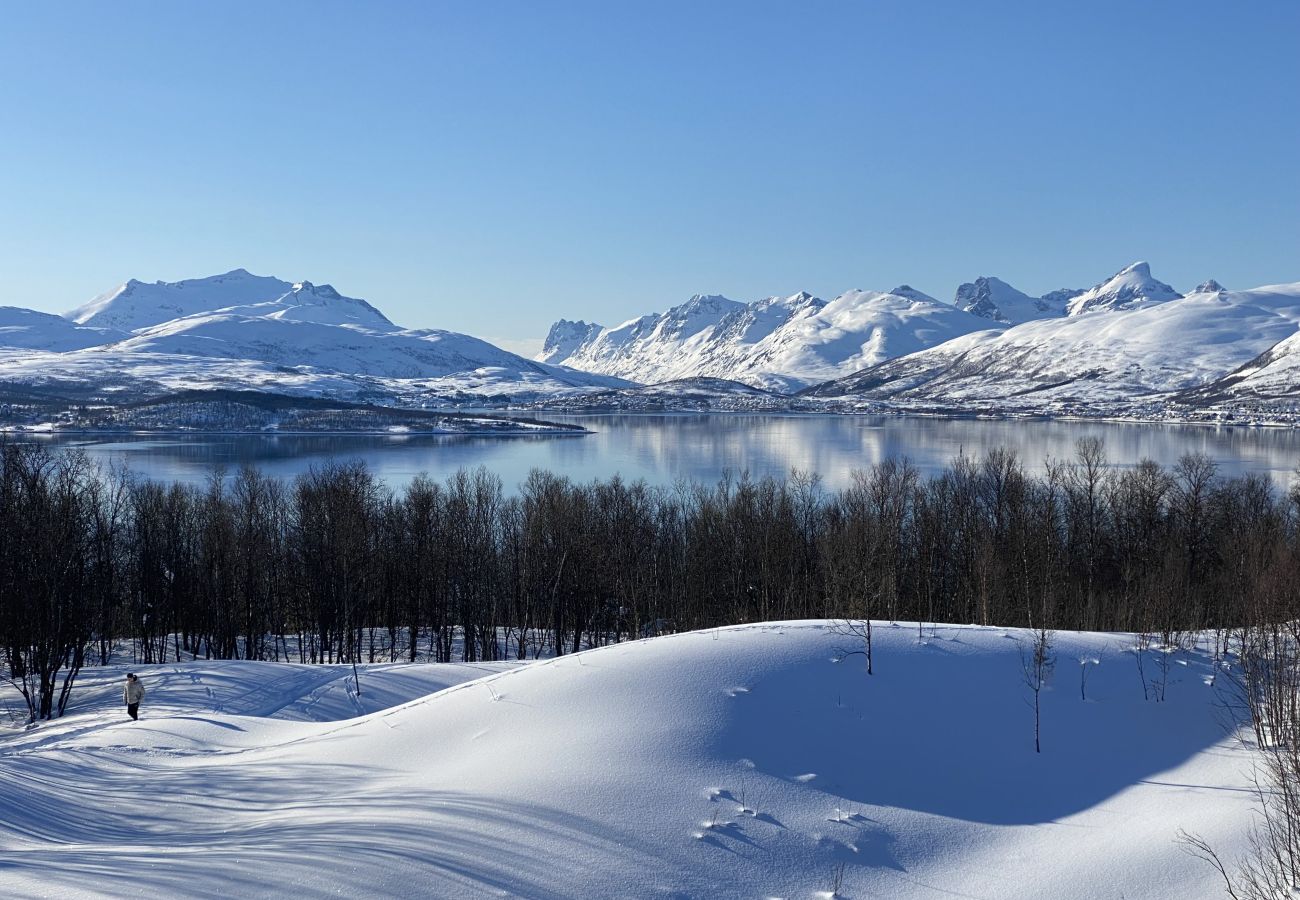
(491, 166)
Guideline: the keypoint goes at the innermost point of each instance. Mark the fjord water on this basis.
(664, 448)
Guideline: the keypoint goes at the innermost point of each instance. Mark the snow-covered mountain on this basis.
(1128, 288)
(1130, 339)
(789, 343)
(992, 298)
(777, 343)
(1136, 348)
(240, 330)
(136, 304)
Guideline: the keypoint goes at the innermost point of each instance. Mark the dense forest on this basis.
(314, 569)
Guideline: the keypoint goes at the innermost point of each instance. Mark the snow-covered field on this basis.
(741, 762)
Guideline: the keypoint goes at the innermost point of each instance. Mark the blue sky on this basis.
(491, 166)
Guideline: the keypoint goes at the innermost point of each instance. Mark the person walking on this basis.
(132, 694)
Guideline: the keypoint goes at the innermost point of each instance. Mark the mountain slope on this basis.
(1273, 375)
(741, 762)
(1108, 355)
(293, 342)
(32, 330)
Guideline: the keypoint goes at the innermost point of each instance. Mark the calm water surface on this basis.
(664, 448)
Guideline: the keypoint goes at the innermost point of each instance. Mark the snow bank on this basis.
(742, 762)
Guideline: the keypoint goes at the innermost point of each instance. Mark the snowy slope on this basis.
(136, 304)
(1274, 374)
(737, 763)
(340, 348)
(1106, 356)
(27, 328)
(778, 343)
(321, 304)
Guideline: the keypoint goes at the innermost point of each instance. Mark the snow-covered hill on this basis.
(1134, 350)
(780, 343)
(742, 762)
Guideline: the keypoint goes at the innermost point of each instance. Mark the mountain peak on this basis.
(701, 311)
(325, 291)
(1127, 288)
(1208, 287)
(566, 338)
(992, 298)
(706, 302)
(907, 292)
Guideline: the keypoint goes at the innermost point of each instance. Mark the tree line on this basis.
(335, 567)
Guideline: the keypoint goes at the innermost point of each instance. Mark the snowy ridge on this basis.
(741, 762)
(780, 343)
(136, 304)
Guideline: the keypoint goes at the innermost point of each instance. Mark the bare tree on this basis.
(1037, 663)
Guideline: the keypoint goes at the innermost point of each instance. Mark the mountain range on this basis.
(1128, 341)
(243, 330)
(1126, 345)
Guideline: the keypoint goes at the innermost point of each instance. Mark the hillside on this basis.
(742, 762)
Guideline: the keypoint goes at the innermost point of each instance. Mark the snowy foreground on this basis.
(741, 762)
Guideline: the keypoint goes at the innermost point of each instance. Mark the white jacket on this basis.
(133, 692)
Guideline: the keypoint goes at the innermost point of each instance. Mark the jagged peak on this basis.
(320, 290)
(794, 301)
(1208, 287)
(1130, 286)
(705, 301)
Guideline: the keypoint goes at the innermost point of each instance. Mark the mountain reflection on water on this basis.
(664, 448)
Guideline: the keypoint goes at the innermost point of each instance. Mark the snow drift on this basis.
(742, 762)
